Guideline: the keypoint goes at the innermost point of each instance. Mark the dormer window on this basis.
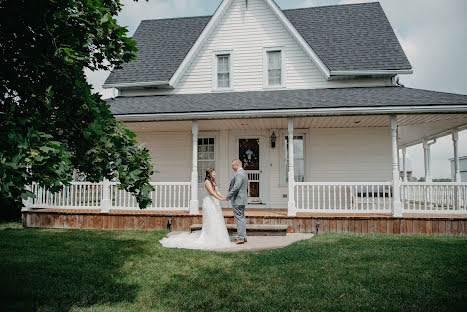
(273, 65)
(222, 71)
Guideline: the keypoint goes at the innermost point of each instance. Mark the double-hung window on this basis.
(274, 68)
(206, 157)
(223, 71)
(298, 157)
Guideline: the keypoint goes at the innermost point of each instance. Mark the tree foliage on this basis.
(50, 121)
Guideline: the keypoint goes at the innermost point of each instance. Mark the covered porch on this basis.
(338, 166)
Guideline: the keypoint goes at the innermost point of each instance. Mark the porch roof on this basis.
(290, 102)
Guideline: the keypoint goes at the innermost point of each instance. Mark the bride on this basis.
(214, 233)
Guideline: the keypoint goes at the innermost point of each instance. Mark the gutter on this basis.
(370, 72)
(295, 112)
(131, 85)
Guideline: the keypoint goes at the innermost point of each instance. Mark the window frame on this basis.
(215, 55)
(208, 135)
(266, 67)
(283, 158)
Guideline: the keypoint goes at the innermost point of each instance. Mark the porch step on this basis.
(252, 229)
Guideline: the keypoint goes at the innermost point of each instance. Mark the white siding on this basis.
(247, 32)
(352, 154)
(170, 155)
(332, 155)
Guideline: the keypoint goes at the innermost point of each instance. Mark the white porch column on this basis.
(427, 154)
(396, 198)
(404, 168)
(291, 205)
(455, 141)
(194, 204)
(105, 203)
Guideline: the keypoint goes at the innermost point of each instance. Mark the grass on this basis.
(91, 270)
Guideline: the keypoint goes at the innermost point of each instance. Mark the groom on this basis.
(238, 196)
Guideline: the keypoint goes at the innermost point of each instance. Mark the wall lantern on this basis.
(317, 227)
(273, 140)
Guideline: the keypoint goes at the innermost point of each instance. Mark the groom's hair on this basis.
(238, 162)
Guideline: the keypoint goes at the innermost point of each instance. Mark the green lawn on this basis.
(90, 270)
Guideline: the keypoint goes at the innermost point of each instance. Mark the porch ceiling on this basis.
(414, 128)
(411, 127)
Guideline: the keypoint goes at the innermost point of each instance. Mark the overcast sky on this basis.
(433, 34)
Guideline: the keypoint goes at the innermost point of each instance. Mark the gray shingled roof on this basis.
(162, 46)
(345, 37)
(283, 99)
(350, 37)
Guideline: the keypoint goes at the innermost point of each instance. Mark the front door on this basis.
(249, 152)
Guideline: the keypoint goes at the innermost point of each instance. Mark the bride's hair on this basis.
(209, 177)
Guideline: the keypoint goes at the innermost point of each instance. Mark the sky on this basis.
(433, 34)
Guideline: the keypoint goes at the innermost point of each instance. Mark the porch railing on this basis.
(166, 196)
(78, 195)
(87, 195)
(435, 197)
(344, 197)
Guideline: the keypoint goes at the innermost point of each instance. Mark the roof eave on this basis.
(392, 72)
(137, 85)
(296, 112)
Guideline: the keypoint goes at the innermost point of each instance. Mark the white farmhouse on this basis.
(240, 84)
(205, 90)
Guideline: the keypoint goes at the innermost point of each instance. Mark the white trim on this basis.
(215, 55)
(266, 85)
(262, 135)
(200, 41)
(370, 72)
(298, 112)
(216, 18)
(294, 32)
(209, 135)
(127, 85)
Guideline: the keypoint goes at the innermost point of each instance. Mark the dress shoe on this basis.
(238, 242)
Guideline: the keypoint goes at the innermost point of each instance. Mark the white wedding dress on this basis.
(214, 234)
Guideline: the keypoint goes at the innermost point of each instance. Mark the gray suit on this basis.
(238, 197)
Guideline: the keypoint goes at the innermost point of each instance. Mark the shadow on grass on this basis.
(55, 270)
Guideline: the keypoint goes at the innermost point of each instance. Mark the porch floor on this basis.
(281, 213)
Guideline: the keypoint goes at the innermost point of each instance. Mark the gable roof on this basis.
(346, 38)
(162, 45)
(351, 37)
(254, 102)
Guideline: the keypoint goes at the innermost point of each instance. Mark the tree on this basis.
(50, 121)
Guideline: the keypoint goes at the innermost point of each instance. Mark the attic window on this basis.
(223, 71)
(273, 67)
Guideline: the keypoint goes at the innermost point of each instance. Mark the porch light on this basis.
(273, 140)
(317, 227)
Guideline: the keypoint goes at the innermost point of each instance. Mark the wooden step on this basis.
(252, 229)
